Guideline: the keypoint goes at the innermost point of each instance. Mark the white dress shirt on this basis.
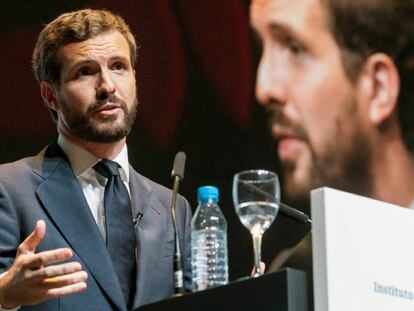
(91, 182)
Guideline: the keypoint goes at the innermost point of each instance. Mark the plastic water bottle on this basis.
(208, 241)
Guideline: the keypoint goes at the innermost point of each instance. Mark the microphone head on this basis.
(179, 165)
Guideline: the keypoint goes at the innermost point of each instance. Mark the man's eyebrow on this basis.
(277, 29)
(90, 61)
(119, 57)
(79, 63)
(282, 29)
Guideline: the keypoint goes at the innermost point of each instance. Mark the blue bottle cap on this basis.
(206, 193)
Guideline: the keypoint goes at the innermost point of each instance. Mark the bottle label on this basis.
(178, 279)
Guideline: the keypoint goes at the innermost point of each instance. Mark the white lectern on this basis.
(363, 253)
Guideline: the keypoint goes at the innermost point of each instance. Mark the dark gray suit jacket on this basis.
(44, 187)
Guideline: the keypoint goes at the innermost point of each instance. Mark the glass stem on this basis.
(257, 247)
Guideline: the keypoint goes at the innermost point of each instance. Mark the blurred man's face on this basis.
(316, 116)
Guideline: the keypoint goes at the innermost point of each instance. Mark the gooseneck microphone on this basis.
(284, 209)
(294, 214)
(177, 174)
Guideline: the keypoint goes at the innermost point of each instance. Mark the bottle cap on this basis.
(206, 193)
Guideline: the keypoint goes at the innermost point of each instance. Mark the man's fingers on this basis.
(55, 270)
(34, 238)
(38, 260)
(66, 290)
(65, 280)
(262, 266)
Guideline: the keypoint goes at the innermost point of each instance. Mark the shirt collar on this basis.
(82, 160)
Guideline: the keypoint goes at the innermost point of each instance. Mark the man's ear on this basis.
(381, 86)
(49, 95)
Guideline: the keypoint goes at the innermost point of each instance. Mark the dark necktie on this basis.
(120, 237)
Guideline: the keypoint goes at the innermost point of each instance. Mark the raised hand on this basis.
(32, 279)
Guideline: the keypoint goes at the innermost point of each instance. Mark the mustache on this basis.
(111, 98)
(277, 116)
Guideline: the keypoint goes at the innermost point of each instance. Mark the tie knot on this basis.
(107, 168)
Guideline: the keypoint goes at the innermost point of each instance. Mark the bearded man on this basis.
(80, 228)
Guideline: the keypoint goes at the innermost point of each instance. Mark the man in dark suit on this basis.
(337, 78)
(60, 246)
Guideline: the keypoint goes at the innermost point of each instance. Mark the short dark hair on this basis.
(364, 27)
(70, 27)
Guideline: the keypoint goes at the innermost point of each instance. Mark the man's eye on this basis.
(118, 66)
(85, 71)
(295, 47)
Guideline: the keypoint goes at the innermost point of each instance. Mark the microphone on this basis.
(284, 209)
(179, 165)
(136, 220)
(294, 214)
(177, 174)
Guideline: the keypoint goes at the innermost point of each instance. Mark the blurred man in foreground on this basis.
(337, 79)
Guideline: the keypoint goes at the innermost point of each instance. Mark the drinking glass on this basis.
(256, 197)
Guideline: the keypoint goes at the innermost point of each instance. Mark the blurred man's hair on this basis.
(364, 27)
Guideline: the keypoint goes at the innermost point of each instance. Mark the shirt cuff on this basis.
(4, 309)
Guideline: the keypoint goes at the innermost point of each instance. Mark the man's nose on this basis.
(105, 85)
(269, 82)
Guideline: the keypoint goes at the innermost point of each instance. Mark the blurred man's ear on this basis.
(379, 83)
(49, 95)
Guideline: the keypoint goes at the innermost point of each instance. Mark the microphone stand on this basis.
(178, 175)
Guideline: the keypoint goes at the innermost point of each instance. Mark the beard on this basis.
(107, 129)
(343, 163)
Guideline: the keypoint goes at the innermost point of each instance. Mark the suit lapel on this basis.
(62, 197)
(151, 234)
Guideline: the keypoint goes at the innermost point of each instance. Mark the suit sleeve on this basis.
(9, 235)
(9, 230)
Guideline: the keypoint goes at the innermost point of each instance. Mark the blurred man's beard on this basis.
(347, 170)
(343, 164)
(103, 130)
